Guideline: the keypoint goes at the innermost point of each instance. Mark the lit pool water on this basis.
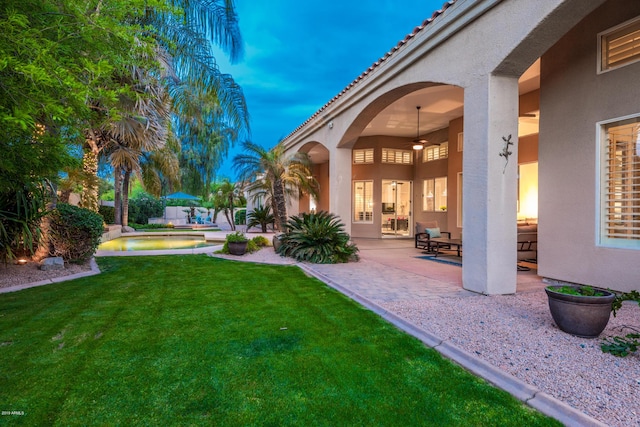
(151, 243)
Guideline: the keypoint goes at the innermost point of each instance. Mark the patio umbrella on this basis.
(181, 195)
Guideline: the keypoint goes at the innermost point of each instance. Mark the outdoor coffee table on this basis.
(441, 241)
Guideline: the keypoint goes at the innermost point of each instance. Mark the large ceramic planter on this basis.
(237, 248)
(276, 242)
(580, 315)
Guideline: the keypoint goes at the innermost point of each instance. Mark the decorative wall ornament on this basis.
(505, 151)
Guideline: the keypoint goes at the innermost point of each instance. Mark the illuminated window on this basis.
(434, 194)
(620, 45)
(620, 184)
(460, 141)
(363, 201)
(363, 156)
(390, 155)
(435, 152)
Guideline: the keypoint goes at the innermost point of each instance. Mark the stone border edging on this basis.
(94, 270)
(537, 399)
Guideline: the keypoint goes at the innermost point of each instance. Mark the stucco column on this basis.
(340, 185)
(490, 185)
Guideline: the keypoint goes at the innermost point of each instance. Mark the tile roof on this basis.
(376, 64)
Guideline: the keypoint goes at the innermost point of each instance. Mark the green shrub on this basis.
(20, 213)
(238, 236)
(144, 207)
(622, 346)
(75, 232)
(253, 245)
(108, 214)
(241, 217)
(148, 226)
(260, 241)
(317, 237)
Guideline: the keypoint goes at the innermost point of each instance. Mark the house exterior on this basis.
(528, 112)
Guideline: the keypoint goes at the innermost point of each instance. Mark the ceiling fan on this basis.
(418, 144)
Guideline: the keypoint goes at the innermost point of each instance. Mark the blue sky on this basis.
(299, 55)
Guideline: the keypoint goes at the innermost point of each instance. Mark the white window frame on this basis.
(367, 203)
(435, 152)
(367, 156)
(396, 156)
(603, 194)
(430, 191)
(632, 26)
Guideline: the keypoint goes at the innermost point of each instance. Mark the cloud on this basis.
(298, 55)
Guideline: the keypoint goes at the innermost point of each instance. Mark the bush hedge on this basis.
(75, 232)
(108, 214)
(144, 207)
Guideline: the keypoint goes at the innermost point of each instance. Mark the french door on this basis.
(397, 215)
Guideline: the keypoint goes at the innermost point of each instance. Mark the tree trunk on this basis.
(230, 218)
(125, 197)
(45, 247)
(280, 202)
(89, 197)
(117, 205)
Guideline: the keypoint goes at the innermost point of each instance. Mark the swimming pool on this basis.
(151, 243)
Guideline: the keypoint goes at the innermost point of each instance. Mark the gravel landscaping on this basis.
(516, 334)
(13, 275)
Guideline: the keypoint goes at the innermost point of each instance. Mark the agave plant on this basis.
(317, 237)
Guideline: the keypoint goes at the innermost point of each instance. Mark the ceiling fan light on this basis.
(418, 146)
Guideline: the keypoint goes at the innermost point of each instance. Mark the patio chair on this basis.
(425, 231)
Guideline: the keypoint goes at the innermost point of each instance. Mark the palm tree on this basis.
(182, 63)
(275, 176)
(261, 216)
(226, 197)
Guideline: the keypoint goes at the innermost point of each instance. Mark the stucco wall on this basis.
(573, 99)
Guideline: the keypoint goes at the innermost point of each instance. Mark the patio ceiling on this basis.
(439, 105)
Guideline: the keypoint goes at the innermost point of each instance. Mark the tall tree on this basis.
(226, 197)
(276, 176)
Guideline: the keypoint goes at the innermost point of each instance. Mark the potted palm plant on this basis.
(580, 310)
(237, 243)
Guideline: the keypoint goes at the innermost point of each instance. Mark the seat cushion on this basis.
(421, 226)
(433, 232)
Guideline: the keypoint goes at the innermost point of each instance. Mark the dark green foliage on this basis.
(318, 238)
(238, 236)
(21, 210)
(144, 207)
(622, 346)
(149, 226)
(240, 217)
(627, 296)
(75, 232)
(585, 291)
(108, 214)
(260, 216)
(198, 341)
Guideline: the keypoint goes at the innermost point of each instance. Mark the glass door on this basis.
(396, 208)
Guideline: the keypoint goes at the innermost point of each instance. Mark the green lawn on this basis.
(194, 340)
